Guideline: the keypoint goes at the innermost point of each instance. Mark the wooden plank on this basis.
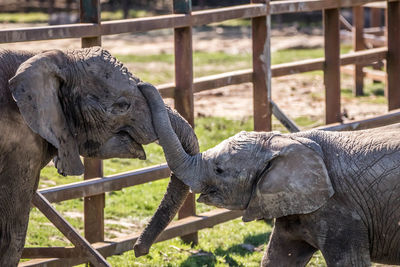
(358, 44)
(376, 75)
(90, 13)
(378, 121)
(261, 31)
(345, 23)
(377, 5)
(364, 57)
(375, 14)
(94, 205)
(49, 32)
(107, 184)
(369, 39)
(332, 66)
(51, 252)
(378, 31)
(184, 93)
(256, 9)
(68, 231)
(119, 245)
(221, 80)
(285, 120)
(145, 24)
(297, 67)
(393, 57)
(296, 6)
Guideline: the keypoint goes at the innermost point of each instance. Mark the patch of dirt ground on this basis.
(296, 95)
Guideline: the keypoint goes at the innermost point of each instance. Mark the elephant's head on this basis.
(268, 175)
(83, 102)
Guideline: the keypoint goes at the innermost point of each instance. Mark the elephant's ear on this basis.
(36, 90)
(297, 181)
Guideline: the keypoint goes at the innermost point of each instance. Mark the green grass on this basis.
(374, 93)
(117, 15)
(32, 17)
(233, 23)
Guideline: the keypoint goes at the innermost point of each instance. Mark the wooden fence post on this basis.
(358, 44)
(94, 205)
(261, 34)
(393, 56)
(332, 65)
(184, 92)
(90, 13)
(375, 17)
(375, 23)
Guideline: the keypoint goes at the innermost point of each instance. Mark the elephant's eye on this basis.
(219, 170)
(121, 106)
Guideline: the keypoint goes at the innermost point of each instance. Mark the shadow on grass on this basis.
(209, 259)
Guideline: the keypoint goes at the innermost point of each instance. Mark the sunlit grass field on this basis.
(229, 244)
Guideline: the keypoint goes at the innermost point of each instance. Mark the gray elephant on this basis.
(65, 104)
(338, 192)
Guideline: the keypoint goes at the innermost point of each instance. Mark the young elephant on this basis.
(338, 192)
(65, 104)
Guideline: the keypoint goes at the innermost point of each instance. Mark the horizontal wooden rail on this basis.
(197, 18)
(119, 245)
(364, 56)
(376, 75)
(49, 32)
(295, 6)
(369, 38)
(52, 252)
(378, 121)
(97, 186)
(242, 76)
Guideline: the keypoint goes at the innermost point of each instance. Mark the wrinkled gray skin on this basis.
(65, 104)
(338, 192)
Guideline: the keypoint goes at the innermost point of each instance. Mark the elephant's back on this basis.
(12, 125)
(9, 63)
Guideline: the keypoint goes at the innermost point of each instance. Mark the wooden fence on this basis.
(93, 247)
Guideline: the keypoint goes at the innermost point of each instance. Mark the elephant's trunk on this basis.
(186, 167)
(176, 193)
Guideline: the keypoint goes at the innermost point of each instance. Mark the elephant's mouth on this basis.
(134, 147)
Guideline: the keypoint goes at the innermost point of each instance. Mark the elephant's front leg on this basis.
(286, 250)
(15, 203)
(12, 238)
